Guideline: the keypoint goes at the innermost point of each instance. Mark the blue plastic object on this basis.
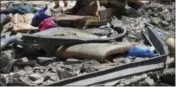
(141, 51)
(39, 17)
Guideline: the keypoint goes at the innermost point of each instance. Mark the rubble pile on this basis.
(45, 45)
(156, 14)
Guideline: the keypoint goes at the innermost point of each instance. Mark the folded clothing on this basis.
(39, 17)
(47, 23)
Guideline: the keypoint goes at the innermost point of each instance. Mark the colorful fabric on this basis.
(39, 17)
(47, 23)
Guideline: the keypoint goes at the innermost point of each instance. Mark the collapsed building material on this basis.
(51, 75)
(91, 12)
(87, 66)
(36, 78)
(109, 74)
(147, 82)
(130, 69)
(134, 79)
(6, 61)
(64, 73)
(170, 62)
(168, 76)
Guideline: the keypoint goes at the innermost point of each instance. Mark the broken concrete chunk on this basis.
(88, 66)
(6, 61)
(64, 73)
(168, 76)
(53, 78)
(36, 78)
(24, 59)
(134, 79)
(112, 83)
(6, 78)
(170, 62)
(54, 71)
(150, 81)
(147, 82)
(116, 23)
(3, 61)
(21, 73)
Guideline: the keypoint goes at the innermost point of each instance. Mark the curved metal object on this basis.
(49, 43)
(84, 36)
(96, 51)
(126, 70)
(61, 30)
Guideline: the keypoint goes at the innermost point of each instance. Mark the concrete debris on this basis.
(170, 62)
(168, 76)
(87, 66)
(6, 61)
(36, 78)
(134, 79)
(149, 81)
(87, 42)
(65, 74)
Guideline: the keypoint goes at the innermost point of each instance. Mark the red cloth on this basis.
(47, 23)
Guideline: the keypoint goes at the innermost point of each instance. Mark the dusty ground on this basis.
(159, 15)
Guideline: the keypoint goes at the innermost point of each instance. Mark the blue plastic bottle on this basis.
(141, 51)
